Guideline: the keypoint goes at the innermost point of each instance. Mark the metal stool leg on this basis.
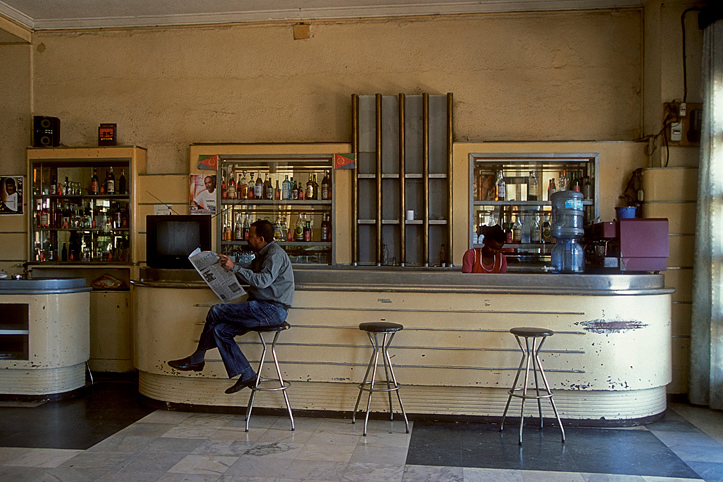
(363, 383)
(524, 389)
(250, 405)
(90, 373)
(514, 386)
(281, 380)
(282, 385)
(552, 401)
(396, 389)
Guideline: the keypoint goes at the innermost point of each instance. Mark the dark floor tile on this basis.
(79, 423)
(710, 471)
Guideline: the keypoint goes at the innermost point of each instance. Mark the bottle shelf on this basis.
(305, 244)
(85, 230)
(114, 197)
(586, 202)
(275, 202)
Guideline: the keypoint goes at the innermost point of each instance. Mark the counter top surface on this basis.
(43, 286)
(354, 279)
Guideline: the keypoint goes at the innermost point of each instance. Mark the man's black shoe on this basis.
(185, 365)
(241, 384)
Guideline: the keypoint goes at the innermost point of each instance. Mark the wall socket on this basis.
(676, 131)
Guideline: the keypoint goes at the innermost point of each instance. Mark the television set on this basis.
(171, 238)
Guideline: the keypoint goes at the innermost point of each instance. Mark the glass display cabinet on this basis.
(513, 190)
(293, 192)
(81, 205)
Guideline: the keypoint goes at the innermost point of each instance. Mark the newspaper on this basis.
(223, 282)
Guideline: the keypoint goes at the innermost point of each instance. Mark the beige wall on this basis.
(543, 76)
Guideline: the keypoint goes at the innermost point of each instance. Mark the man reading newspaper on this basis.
(271, 291)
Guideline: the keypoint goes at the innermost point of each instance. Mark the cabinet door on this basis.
(294, 193)
(514, 191)
(81, 210)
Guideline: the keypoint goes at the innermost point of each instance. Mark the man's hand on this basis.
(225, 262)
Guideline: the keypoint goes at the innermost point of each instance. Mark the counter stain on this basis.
(611, 326)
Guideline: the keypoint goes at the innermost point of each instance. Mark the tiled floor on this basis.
(107, 436)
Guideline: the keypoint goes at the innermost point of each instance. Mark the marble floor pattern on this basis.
(108, 436)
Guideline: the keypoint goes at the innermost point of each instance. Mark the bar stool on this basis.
(373, 330)
(282, 386)
(531, 353)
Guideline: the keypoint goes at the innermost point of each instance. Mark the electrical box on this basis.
(683, 130)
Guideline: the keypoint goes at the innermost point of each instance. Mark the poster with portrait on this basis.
(203, 194)
(11, 195)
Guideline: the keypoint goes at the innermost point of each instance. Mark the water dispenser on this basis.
(568, 255)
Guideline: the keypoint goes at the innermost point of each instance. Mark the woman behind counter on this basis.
(487, 259)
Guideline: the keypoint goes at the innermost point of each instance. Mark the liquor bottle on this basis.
(532, 187)
(290, 233)
(44, 217)
(325, 228)
(500, 185)
(122, 188)
(242, 187)
(299, 228)
(268, 188)
(586, 187)
(64, 253)
(517, 231)
(259, 187)
(443, 255)
(536, 231)
(278, 232)
(238, 231)
(227, 233)
(252, 187)
(53, 186)
(551, 189)
(284, 229)
(294, 189)
(316, 188)
(307, 230)
(286, 189)
(246, 228)
(326, 187)
(562, 183)
(575, 181)
(110, 181)
(224, 190)
(385, 254)
(231, 186)
(277, 191)
(310, 192)
(546, 230)
(94, 187)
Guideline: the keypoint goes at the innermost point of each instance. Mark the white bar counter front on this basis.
(44, 337)
(609, 360)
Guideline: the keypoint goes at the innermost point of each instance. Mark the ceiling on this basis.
(37, 15)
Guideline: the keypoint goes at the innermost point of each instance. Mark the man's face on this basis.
(256, 242)
(10, 188)
(209, 183)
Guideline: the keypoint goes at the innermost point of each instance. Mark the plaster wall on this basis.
(525, 77)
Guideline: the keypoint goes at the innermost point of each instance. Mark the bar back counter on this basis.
(608, 363)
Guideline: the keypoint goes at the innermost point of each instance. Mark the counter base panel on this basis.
(42, 381)
(600, 406)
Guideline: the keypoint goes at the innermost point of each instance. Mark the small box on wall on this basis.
(107, 135)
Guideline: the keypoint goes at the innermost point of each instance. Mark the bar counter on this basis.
(608, 362)
(44, 337)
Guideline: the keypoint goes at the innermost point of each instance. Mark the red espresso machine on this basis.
(627, 245)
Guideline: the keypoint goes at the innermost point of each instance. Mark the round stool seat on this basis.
(380, 327)
(527, 331)
(270, 329)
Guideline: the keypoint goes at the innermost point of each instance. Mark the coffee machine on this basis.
(627, 245)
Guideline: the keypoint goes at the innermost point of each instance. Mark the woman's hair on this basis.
(494, 232)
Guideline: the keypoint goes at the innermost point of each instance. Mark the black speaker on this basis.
(46, 131)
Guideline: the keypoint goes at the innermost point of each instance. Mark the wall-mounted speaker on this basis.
(46, 131)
